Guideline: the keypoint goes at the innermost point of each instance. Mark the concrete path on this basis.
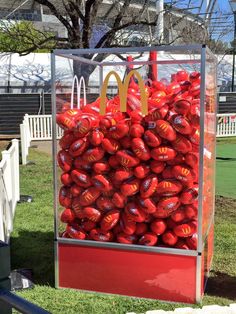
(209, 309)
(43, 146)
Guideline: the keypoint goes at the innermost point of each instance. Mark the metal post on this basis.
(160, 21)
(232, 88)
(20, 304)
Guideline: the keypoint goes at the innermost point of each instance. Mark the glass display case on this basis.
(134, 172)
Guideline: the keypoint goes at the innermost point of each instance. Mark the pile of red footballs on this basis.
(130, 178)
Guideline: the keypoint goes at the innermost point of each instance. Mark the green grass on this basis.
(226, 167)
(32, 247)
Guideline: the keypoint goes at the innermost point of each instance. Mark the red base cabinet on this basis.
(163, 276)
(134, 170)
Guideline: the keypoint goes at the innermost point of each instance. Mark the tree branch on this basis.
(55, 12)
(114, 30)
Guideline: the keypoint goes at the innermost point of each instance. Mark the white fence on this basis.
(226, 124)
(9, 189)
(39, 127)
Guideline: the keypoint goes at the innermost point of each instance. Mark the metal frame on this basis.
(201, 49)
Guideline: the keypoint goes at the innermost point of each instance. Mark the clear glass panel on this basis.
(209, 144)
(129, 177)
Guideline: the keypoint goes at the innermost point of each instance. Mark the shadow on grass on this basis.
(34, 250)
(221, 285)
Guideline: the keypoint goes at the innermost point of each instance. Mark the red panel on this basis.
(141, 274)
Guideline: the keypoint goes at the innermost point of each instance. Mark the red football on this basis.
(136, 130)
(64, 160)
(75, 232)
(167, 173)
(91, 213)
(93, 154)
(181, 245)
(84, 125)
(104, 204)
(169, 238)
(119, 130)
(77, 207)
(149, 239)
(189, 196)
(192, 241)
(96, 137)
(165, 130)
(152, 139)
(182, 144)
(190, 211)
(148, 186)
(141, 228)
(195, 136)
(110, 219)
(182, 173)
(163, 153)
(126, 239)
(82, 164)
(66, 140)
(182, 76)
(111, 146)
(168, 203)
(101, 167)
(127, 225)
(66, 178)
(178, 215)
(157, 166)
(100, 235)
(125, 142)
(173, 88)
(181, 124)
(182, 106)
(113, 162)
(81, 178)
(122, 174)
(119, 200)
(191, 159)
(67, 215)
(88, 225)
(147, 204)
(185, 230)
(130, 187)
(156, 114)
(141, 171)
(169, 187)
(179, 159)
(134, 212)
(89, 196)
(127, 159)
(78, 147)
(140, 149)
(101, 182)
(65, 122)
(65, 197)
(158, 226)
(157, 100)
(75, 190)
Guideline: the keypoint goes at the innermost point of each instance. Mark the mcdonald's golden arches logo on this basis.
(163, 150)
(167, 185)
(164, 127)
(185, 171)
(122, 90)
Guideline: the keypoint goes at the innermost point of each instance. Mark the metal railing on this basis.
(9, 189)
(20, 304)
